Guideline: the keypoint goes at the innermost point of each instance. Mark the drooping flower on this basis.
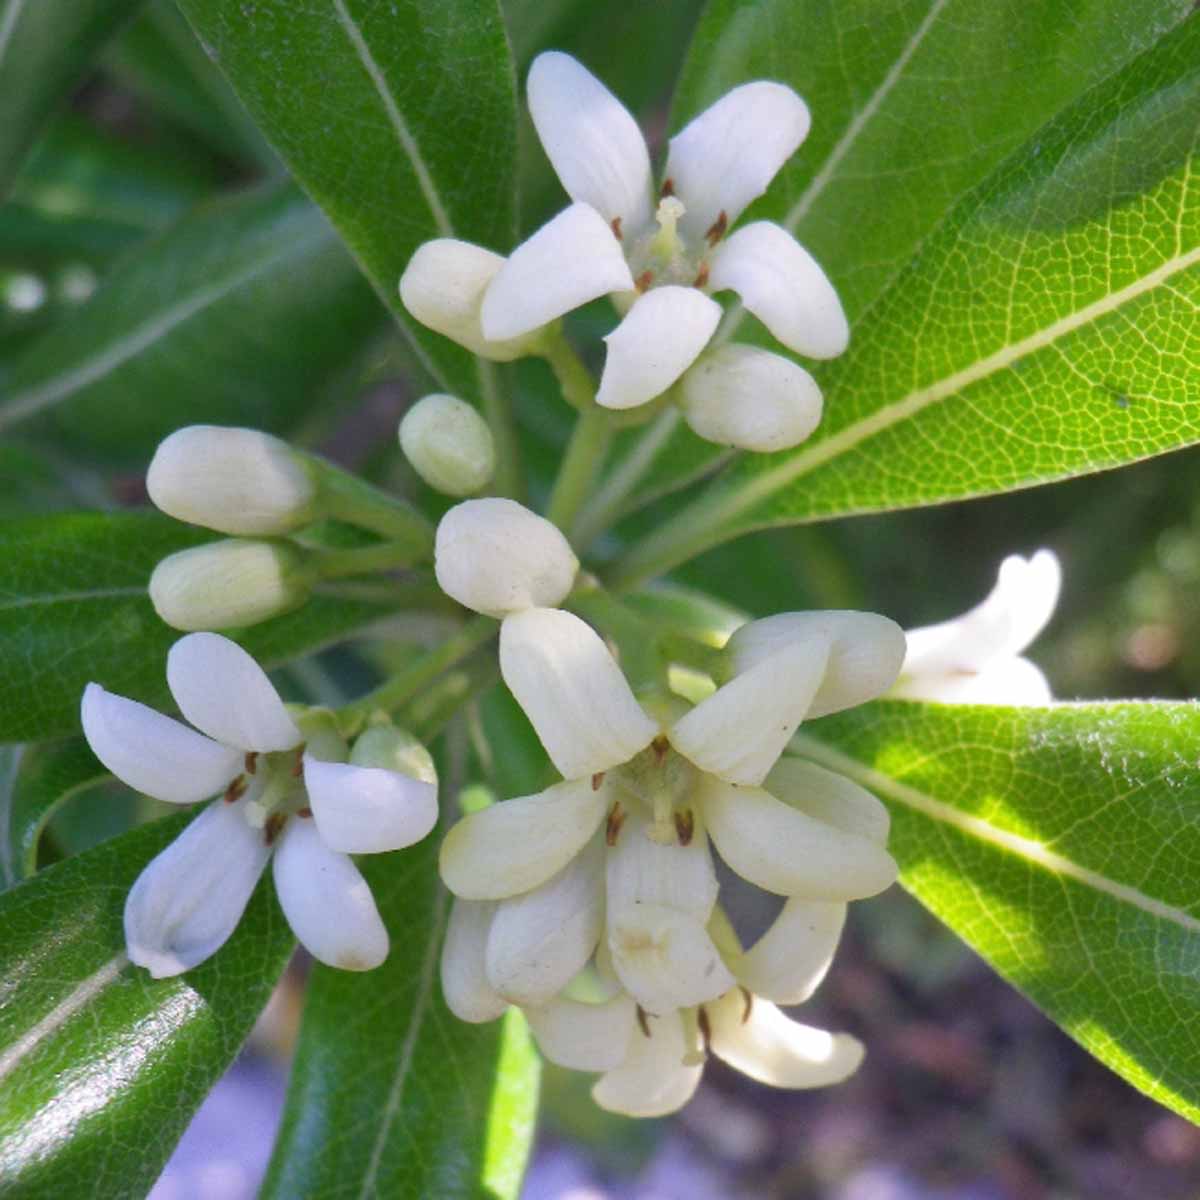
(285, 791)
(977, 658)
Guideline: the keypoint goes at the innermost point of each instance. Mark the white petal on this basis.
(496, 557)
(728, 155)
(654, 1079)
(366, 810)
(593, 143)
(327, 901)
(518, 844)
(789, 961)
(572, 259)
(573, 692)
(784, 287)
(152, 753)
(785, 851)
(541, 940)
(829, 797)
(777, 1051)
(750, 398)
(189, 899)
(742, 728)
(584, 1037)
(1014, 612)
(468, 994)
(1014, 681)
(865, 652)
(657, 341)
(226, 694)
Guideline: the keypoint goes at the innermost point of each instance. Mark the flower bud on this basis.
(749, 398)
(496, 557)
(394, 750)
(449, 444)
(232, 480)
(443, 287)
(228, 584)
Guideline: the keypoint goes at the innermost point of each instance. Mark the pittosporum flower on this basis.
(976, 658)
(284, 789)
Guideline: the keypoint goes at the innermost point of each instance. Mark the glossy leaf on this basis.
(74, 608)
(398, 119)
(100, 1065)
(45, 46)
(390, 1094)
(1047, 329)
(241, 314)
(1063, 844)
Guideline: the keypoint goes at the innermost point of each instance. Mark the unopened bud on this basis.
(449, 444)
(228, 584)
(232, 480)
(394, 750)
(497, 557)
(749, 398)
(443, 287)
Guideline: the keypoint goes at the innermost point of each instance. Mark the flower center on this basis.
(666, 255)
(273, 787)
(662, 781)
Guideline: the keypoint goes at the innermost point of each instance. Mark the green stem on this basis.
(580, 466)
(641, 659)
(509, 479)
(347, 498)
(575, 380)
(419, 674)
(362, 560)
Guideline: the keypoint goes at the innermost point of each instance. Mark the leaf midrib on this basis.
(71, 597)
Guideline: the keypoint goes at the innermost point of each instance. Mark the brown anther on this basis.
(716, 231)
(273, 827)
(685, 826)
(705, 1026)
(251, 761)
(643, 281)
(235, 790)
(668, 187)
(304, 812)
(660, 746)
(616, 227)
(616, 818)
(597, 780)
(701, 279)
(747, 1003)
(298, 765)
(643, 1021)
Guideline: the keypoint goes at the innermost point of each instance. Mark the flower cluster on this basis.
(594, 905)
(661, 261)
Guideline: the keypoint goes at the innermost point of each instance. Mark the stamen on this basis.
(705, 1026)
(701, 279)
(304, 812)
(716, 231)
(616, 227)
(747, 1003)
(235, 790)
(298, 765)
(251, 761)
(597, 780)
(273, 827)
(668, 188)
(643, 281)
(661, 746)
(616, 818)
(643, 1021)
(685, 826)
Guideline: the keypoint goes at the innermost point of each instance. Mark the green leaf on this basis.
(398, 119)
(101, 1066)
(241, 314)
(34, 780)
(1047, 329)
(74, 608)
(390, 1094)
(45, 46)
(1062, 843)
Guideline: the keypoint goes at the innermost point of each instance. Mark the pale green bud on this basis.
(394, 750)
(449, 444)
(230, 583)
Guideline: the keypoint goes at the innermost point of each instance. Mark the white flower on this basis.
(278, 793)
(448, 444)
(976, 658)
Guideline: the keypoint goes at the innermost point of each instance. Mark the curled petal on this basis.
(465, 985)
(593, 143)
(327, 901)
(226, 694)
(572, 259)
(572, 691)
(659, 1073)
(584, 1037)
(190, 897)
(827, 796)
(659, 338)
(784, 287)
(727, 156)
(366, 810)
(789, 961)
(152, 753)
(785, 851)
(517, 845)
(865, 652)
(778, 1051)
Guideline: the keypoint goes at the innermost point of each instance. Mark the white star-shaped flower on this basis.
(280, 795)
(976, 658)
